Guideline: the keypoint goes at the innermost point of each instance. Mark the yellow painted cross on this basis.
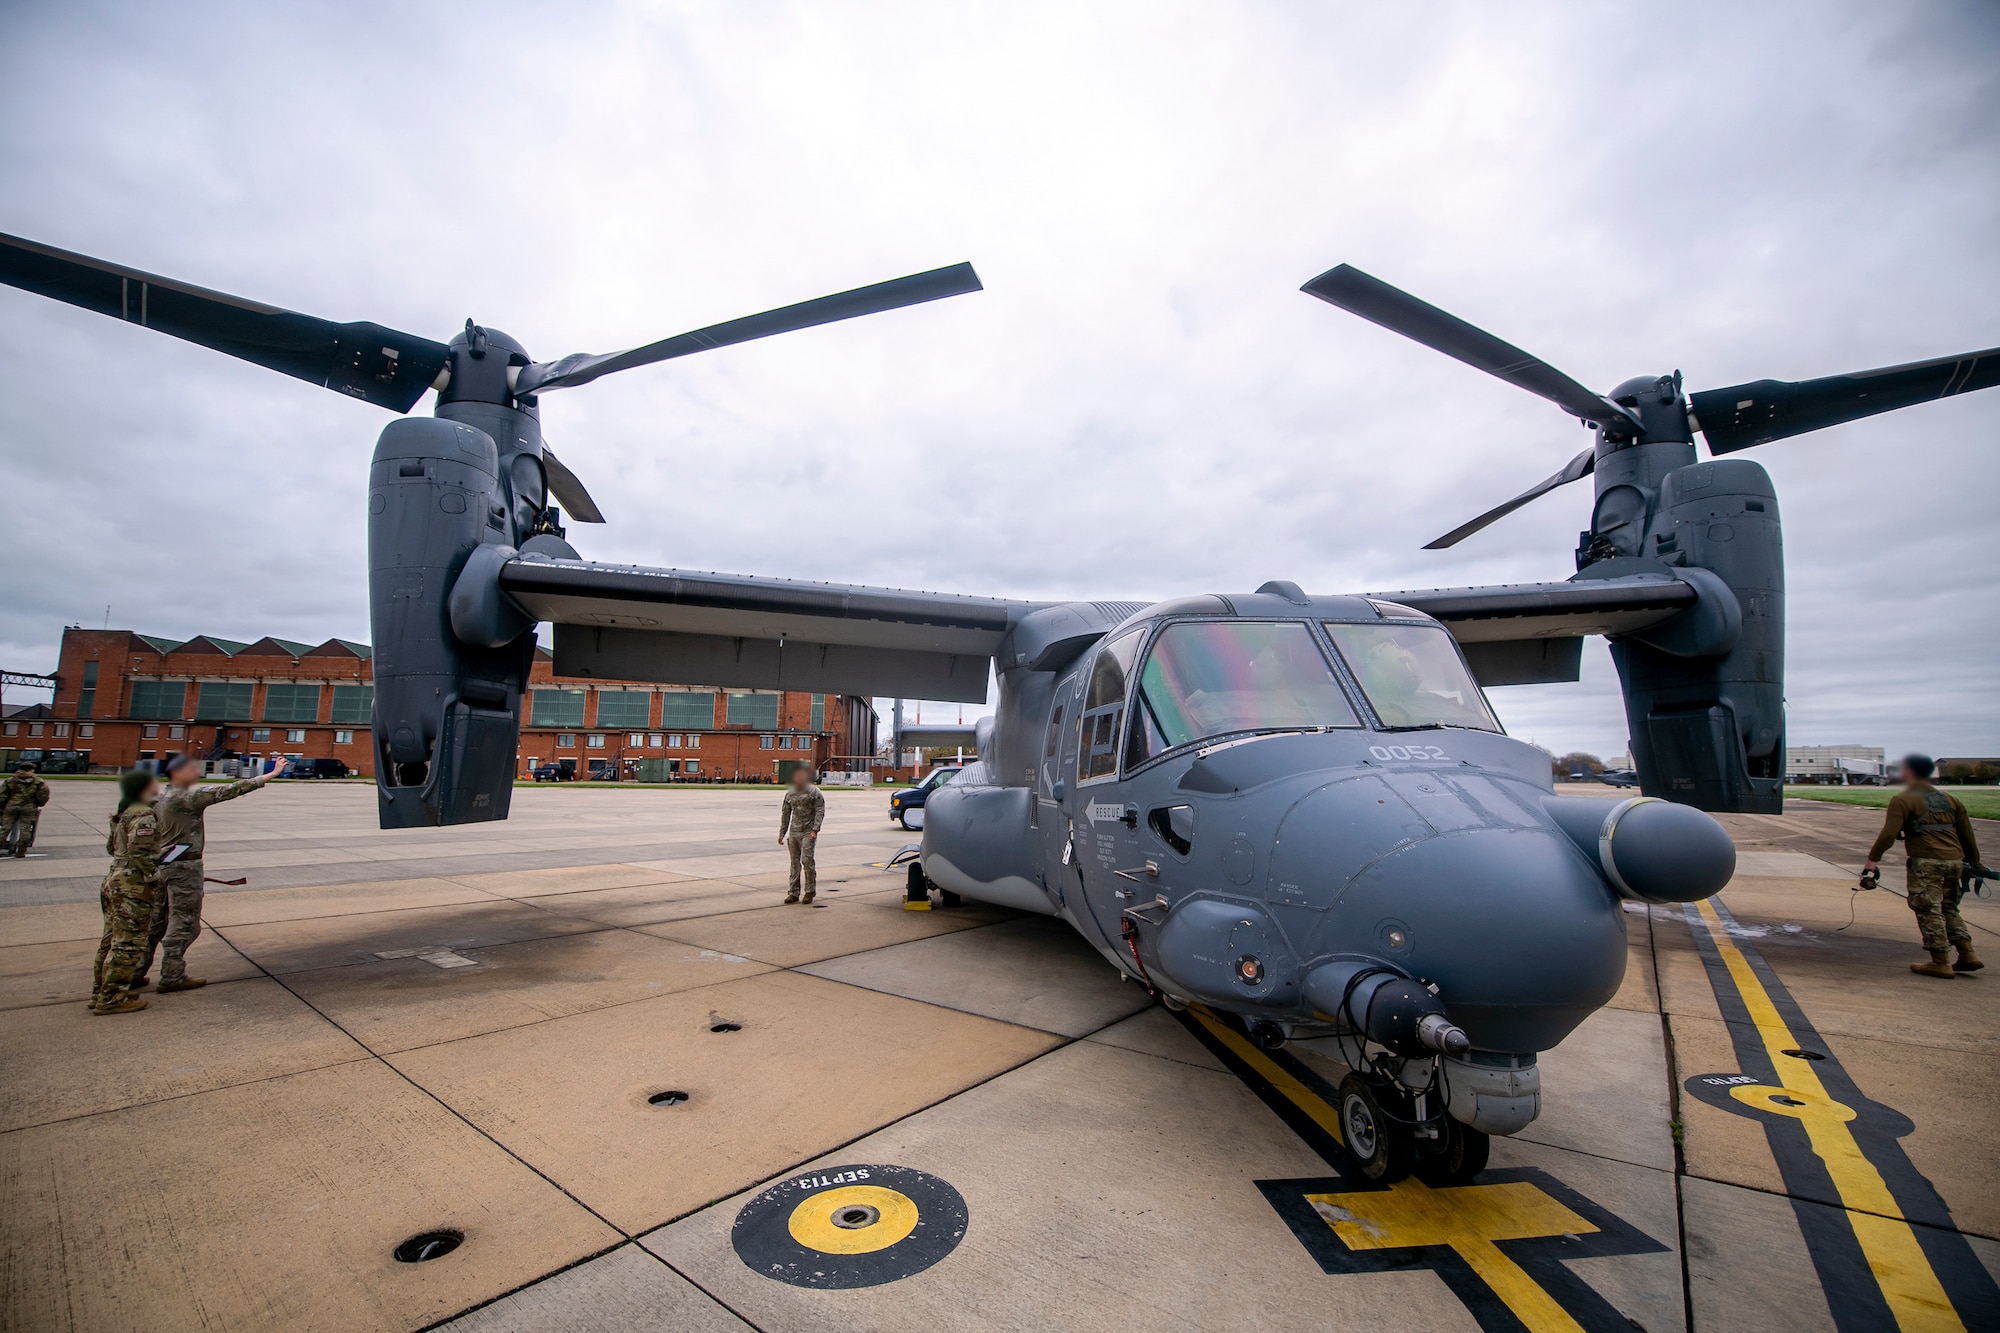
(1470, 1219)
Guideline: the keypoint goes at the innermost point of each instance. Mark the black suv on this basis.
(318, 768)
(913, 798)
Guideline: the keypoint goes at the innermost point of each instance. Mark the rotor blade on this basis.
(361, 360)
(1765, 410)
(1394, 309)
(894, 294)
(568, 488)
(1576, 469)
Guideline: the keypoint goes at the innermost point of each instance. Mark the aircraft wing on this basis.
(1532, 633)
(633, 623)
(630, 622)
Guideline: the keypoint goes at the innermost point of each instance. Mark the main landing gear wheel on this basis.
(1453, 1158)
(1382, 1147)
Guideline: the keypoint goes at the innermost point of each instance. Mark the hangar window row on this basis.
(687, 709)
(232, 701)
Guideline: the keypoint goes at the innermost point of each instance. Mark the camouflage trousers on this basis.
(18, 828)
(800, 848)
(121, 953)
(176, 918)
(1935, 888)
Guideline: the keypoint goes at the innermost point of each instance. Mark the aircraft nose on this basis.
(1520, 935)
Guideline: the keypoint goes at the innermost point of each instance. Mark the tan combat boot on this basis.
(792, 897)
(1968, 961)
(807, 900)
(1938, 966)
(126, 1004)
(185, 983)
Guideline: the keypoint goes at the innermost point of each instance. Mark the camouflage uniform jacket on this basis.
(134, 846)
(804, 811)
(23, 793)
(1933, 823)
(180, 812)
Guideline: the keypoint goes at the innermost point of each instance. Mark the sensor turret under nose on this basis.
(1392, 1011)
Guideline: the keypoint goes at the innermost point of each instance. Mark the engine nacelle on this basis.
(1711, 733)
(1704, 692)
(447, 713)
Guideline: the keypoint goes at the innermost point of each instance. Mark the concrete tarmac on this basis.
(591, 1046)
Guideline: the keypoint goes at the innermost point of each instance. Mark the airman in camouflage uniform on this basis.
(798, 829)
(22, 797)
(127, 896)
(177, 912)
(1937, 834)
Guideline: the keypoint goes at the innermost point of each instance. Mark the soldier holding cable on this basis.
(1937, 834)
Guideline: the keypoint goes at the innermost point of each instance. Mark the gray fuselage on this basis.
(1262, 870)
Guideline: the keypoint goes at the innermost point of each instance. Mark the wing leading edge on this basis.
(633, 623)
(1532, 633)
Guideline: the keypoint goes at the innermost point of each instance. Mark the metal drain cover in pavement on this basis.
(850, 1226)
(428, 1245)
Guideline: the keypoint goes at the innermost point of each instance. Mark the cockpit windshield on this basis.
(1208, 678)
(1413, 675)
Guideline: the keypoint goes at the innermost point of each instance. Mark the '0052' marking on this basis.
(1430, 752)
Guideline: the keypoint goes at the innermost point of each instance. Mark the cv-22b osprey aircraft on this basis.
(1295, 809)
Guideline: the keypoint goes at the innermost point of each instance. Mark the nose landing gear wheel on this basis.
(1453, 1158)
(1383, 1147)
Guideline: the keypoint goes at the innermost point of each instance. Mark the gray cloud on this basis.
(1140, 404)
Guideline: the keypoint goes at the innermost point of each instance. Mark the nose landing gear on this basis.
(1389, 1141)
(1383, 1146)
(1455, 1156)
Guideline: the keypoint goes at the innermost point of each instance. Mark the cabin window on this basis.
(1413, 675)
(1104, 707)
(1213, 678)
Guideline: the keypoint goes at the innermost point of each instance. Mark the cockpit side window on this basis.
(1413, 675)
(1213, 678)
(1104, 708)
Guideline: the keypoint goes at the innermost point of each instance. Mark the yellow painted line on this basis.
(1468, 1218)
(1297, 1093)
(1916, 1298)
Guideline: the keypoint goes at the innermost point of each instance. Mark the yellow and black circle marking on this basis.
(850, 1226)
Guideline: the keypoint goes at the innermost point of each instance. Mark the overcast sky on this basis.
(1141, 403)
